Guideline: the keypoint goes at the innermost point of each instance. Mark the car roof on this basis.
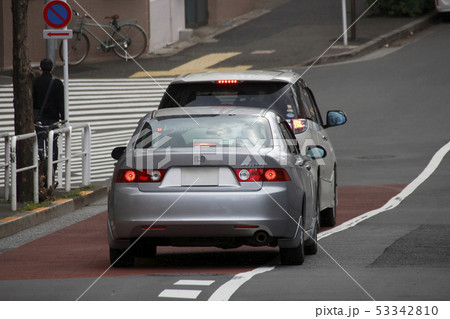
(206, 110)
(243, 75)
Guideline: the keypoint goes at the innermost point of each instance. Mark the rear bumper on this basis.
(202, 214)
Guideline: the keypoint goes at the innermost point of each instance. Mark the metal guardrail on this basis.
(15, 170)
(67, 159)
(7, 165)
(112, 107)
(11, 169)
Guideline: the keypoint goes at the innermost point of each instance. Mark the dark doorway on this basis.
(196, 13)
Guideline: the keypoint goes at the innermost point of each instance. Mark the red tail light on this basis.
(262, 175)
(276, 175)
(299, 125)
(205, 144)
(129, 176)
(270, 175)
(135, 176)
(227, 82)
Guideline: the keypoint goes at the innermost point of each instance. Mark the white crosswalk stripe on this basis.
(180, 294)
(111, 106)
(185, 293)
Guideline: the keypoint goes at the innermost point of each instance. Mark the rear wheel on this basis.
(130, 40)
(293, 256)
(144, 250)
(328, 215)
(77, 48)
(45, 191)
(311, 248)
(118, 258)
(311, 242)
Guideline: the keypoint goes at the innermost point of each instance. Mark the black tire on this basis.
(131, 40)
(144, 250)
(45, 174)
(311, 242)
(328, 215)
(293, 256)
(78, 48)
(311, 249)
(120, 261)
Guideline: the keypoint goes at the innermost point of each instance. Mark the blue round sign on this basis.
(57, 14)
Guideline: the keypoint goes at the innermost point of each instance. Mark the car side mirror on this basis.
(316, 152)
(336, 118)
(118, 152)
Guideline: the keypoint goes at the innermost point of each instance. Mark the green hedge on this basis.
(401, 8)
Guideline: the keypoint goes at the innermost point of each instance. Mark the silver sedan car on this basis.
(221, 177)
(282, 91)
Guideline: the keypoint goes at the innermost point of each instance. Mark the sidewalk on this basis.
(299, 40)
(13, 222)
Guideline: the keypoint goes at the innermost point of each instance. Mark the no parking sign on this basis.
(57, 14)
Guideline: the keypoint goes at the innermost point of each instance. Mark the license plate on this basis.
(199, 176)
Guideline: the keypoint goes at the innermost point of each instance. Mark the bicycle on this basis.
(127, 39)
(42, 132)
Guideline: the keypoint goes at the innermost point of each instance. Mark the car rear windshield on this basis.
(274, 95)
(204, 131)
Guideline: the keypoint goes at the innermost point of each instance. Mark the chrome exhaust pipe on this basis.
(261, 237)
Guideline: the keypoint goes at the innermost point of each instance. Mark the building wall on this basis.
(221, 11)
(98, 9)
(161, 19)
(35, 26)
(2, 33)
(166, 22)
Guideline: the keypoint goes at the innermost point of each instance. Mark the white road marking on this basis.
(396, 200)
(185, 293)
(224, 292)
(178, 293)
(229, 288)
(194, 282)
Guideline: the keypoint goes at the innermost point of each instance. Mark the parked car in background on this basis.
(221, 177)
(282, 91)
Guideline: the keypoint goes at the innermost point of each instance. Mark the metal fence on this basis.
(112, 107)
(10, 164)
(15, 170)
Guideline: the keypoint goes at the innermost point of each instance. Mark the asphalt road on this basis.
(397, 104)
(397, 107)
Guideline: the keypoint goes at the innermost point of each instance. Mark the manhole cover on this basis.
(376, 157)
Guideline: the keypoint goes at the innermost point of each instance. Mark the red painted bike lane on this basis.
(81, 250)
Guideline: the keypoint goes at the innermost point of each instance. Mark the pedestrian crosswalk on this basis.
(186, 293)
(112, 107)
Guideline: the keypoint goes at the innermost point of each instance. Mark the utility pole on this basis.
(344, 21)
(352, 20)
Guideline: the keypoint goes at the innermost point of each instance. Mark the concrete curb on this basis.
(21, 221)
(376, 43)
